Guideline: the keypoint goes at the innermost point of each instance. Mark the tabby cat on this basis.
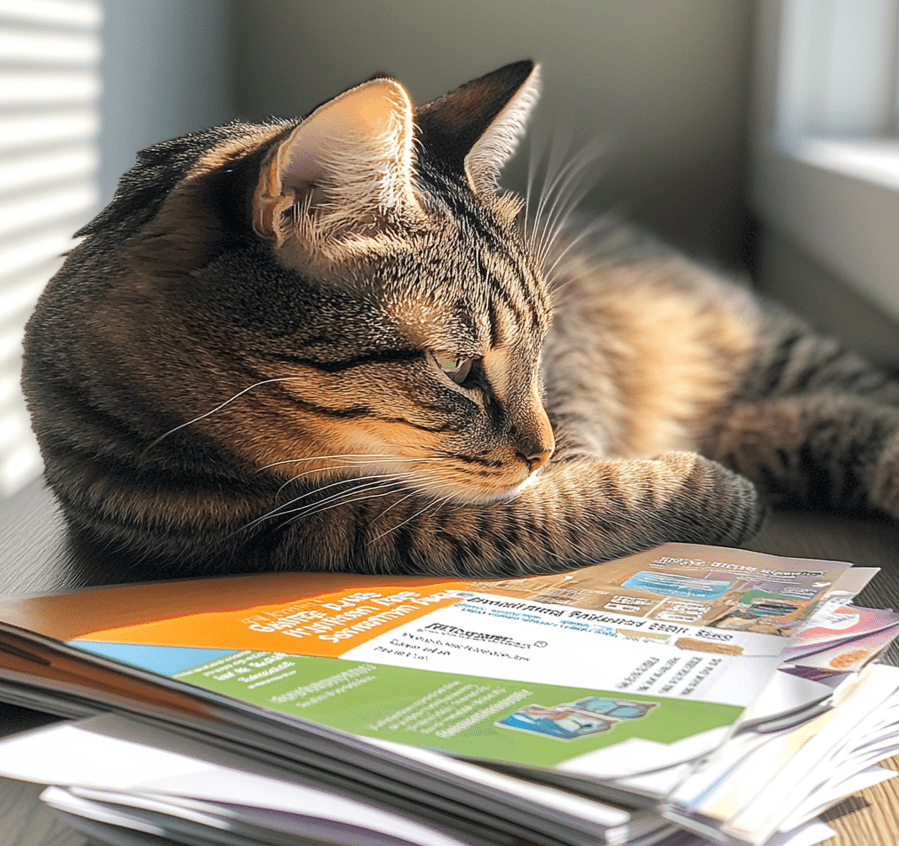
(333, 343)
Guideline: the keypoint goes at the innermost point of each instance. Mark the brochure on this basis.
(613, 682)
(664, 646)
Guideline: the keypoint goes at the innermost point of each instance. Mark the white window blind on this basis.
(49, 124)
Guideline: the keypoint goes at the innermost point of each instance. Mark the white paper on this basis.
(70, 755)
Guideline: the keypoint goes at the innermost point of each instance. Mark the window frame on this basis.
(825, 152)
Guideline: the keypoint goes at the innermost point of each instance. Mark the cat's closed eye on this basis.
(455, 366)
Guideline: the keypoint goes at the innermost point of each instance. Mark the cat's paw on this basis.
(714, 505)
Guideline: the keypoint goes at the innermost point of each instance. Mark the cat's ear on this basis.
(476, 128)
(347, 168)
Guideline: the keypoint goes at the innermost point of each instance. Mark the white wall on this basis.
(165, 73)
(665, 81)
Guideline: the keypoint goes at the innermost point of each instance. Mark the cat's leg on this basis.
(576, 512)
(815, 426)
(828, 451)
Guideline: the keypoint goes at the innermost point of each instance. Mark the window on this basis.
(49, 90)
(826, 152)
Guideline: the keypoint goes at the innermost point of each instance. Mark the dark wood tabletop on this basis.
(37, 555)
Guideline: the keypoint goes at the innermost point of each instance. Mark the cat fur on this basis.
(248, 363)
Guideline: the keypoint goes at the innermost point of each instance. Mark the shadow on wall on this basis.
(663, 83)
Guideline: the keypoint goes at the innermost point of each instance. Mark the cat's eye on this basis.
(455, 366)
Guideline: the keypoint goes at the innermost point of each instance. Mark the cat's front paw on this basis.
(713, 505)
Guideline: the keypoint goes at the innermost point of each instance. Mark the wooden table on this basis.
(36, 556)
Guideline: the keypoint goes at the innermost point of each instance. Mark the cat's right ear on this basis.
(476, 128)
(347, 169)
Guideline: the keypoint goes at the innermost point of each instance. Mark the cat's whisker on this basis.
(418, 491)
(334, 500)
(279, 511)
(349, 497)
(436, 503)
(538, 145)
(556, 162)
(349, 465)
(589, 262)
(368, 483)
(217, 408)
(563, 192)
(588, 231)
(391, 506)
(326, 470)
(555, 172)
(336, 456)
(299, 476)
(589, 269)
(372, 455)
(557, 287)
(541, 225)
(566, 194)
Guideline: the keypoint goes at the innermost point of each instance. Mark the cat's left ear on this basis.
(476, 128)
(346, 169)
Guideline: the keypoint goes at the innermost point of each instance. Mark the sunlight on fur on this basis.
(334, 343)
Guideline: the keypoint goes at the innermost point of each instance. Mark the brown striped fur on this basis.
(333, 344)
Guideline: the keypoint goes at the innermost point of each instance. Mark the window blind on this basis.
(49, 124)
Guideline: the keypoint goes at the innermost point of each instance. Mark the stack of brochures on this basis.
(681, 696)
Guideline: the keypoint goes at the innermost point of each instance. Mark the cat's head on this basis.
(344, 295)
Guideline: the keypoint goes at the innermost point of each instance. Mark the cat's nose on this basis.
(534, 434)
(536, 457)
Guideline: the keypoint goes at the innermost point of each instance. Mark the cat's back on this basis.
(124, 338)
(645, 343)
